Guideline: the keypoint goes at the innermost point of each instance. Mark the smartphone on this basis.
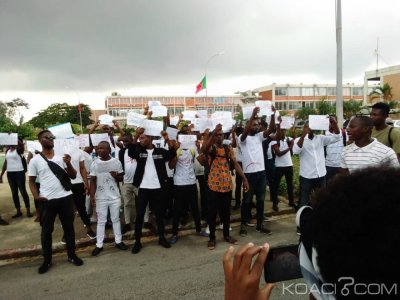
(282, 264)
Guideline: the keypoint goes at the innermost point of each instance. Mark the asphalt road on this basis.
(186, 271)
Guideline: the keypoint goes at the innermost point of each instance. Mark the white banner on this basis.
(135, 119)
(189, 115)
(62, 131)
(172, 133)
(174, 121)
(187, 141)
(99, 137)
(83, 140)
(202, 124)
(33, 146)
(318, 122)
(247, 112)
(65, 146)
(202, 114)
(287, 122)
(106, 120)
(224, 118)
(8, 139)
(153, 103)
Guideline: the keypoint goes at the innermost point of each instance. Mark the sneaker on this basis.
(3, 222)
(275, 207)
(243, 230)
(44, 267)
(137, 247)
(163, 242)
(298, 232)
(202, 233)
(63, 240)
(231, 240)
(17, 215)
(207, 231)
(126, 228)
(173, 239)
(75, 260)
(263, 230)
(250, 224)
(96, 251)
(211, 245)
(121, 246)
(91, 234)
(221, 227)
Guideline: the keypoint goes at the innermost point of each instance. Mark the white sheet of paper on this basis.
(8, 139)
(189, 114)
(135, 119)
(158, 111)
(152, 103)
(99, 137)
(227, 142)
(172, 133)
(318, 122)
(152, 127)
(174, 120)
(202, 114)
(83, 140)
(62, 131)
(187, 141)
(202, 124)
(106, 120)
(287, 122)
(265, 107)
(224, 118)
(65, 146)
(247, 112)
(33, 145)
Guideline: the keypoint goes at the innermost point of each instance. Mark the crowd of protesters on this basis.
(157, 175)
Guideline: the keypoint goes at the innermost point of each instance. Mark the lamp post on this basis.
(205, 73)
(80, 109)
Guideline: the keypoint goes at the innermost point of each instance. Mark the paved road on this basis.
(186, 271)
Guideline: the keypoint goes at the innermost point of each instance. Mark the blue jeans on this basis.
(307, 186)
(257, 183)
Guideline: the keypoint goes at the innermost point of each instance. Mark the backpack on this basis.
(389, 137)
(213, 155)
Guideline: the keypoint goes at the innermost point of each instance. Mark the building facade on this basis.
(389, 75)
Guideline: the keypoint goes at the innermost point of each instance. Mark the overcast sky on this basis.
(160, 47)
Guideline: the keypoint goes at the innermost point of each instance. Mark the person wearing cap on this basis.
(151, 178)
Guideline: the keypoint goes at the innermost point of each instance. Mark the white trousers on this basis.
(102, 206)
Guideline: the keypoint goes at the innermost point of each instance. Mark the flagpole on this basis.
(339, 71)
(205, 74)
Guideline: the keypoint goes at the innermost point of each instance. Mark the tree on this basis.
(8, 111)
(325, 108)
(351, 108)
(304, 112)
(62, 113)
(382, 92)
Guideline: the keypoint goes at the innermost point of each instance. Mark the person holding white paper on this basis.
(310, 148)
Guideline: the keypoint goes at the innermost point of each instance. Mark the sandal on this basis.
(231, 240)
(211, 245)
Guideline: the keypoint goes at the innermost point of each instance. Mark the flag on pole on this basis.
(79, 108)
(201, 85)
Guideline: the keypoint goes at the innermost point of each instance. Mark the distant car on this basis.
(396, 123)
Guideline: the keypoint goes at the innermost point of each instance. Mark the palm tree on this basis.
(382, 92)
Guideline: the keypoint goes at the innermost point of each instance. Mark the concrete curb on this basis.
(36, 250)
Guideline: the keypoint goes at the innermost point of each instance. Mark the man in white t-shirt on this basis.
(253, 167)
(282, 148)
(334, 155)
(54, 198)
(310, 148)
(365, 151)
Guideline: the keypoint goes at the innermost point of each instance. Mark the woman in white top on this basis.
(15, 164)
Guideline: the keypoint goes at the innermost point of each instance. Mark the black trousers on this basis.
(16, 180)
(238, 189)
(279, 173)
(185, 195)
(79, 196)
(155, 197)
(221, 203)
(203, 196)
(63, 207)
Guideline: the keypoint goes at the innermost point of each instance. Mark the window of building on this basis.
(280, 105)
(320, 91)
(358, 91)
(331, 91)
(346, 91)
(307, 91)
(294, 105)
(294, 91)
(281, 91)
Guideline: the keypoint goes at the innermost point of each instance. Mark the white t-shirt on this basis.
(162, 144)
(184, 169)
(252, 153)
(50, 186)
(14, 161)
(130, 167)
(373, 155)
(334, 153)
(238, 151)
(106, 185)
(286, 159)
(150, 178)
(76, 158)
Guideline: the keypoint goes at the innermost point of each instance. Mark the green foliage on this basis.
(325, 108)
(351, 108)
(384, 92)
(62, 113)
(393, 104)
(7, 112)
(304, 112)
(238, 116)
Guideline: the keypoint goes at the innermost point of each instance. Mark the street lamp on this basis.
(205, 73)
(79, 105)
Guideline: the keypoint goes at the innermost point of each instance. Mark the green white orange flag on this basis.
(201, 85)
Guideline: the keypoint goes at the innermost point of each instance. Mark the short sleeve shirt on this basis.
(106, 185)
(383, 137)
